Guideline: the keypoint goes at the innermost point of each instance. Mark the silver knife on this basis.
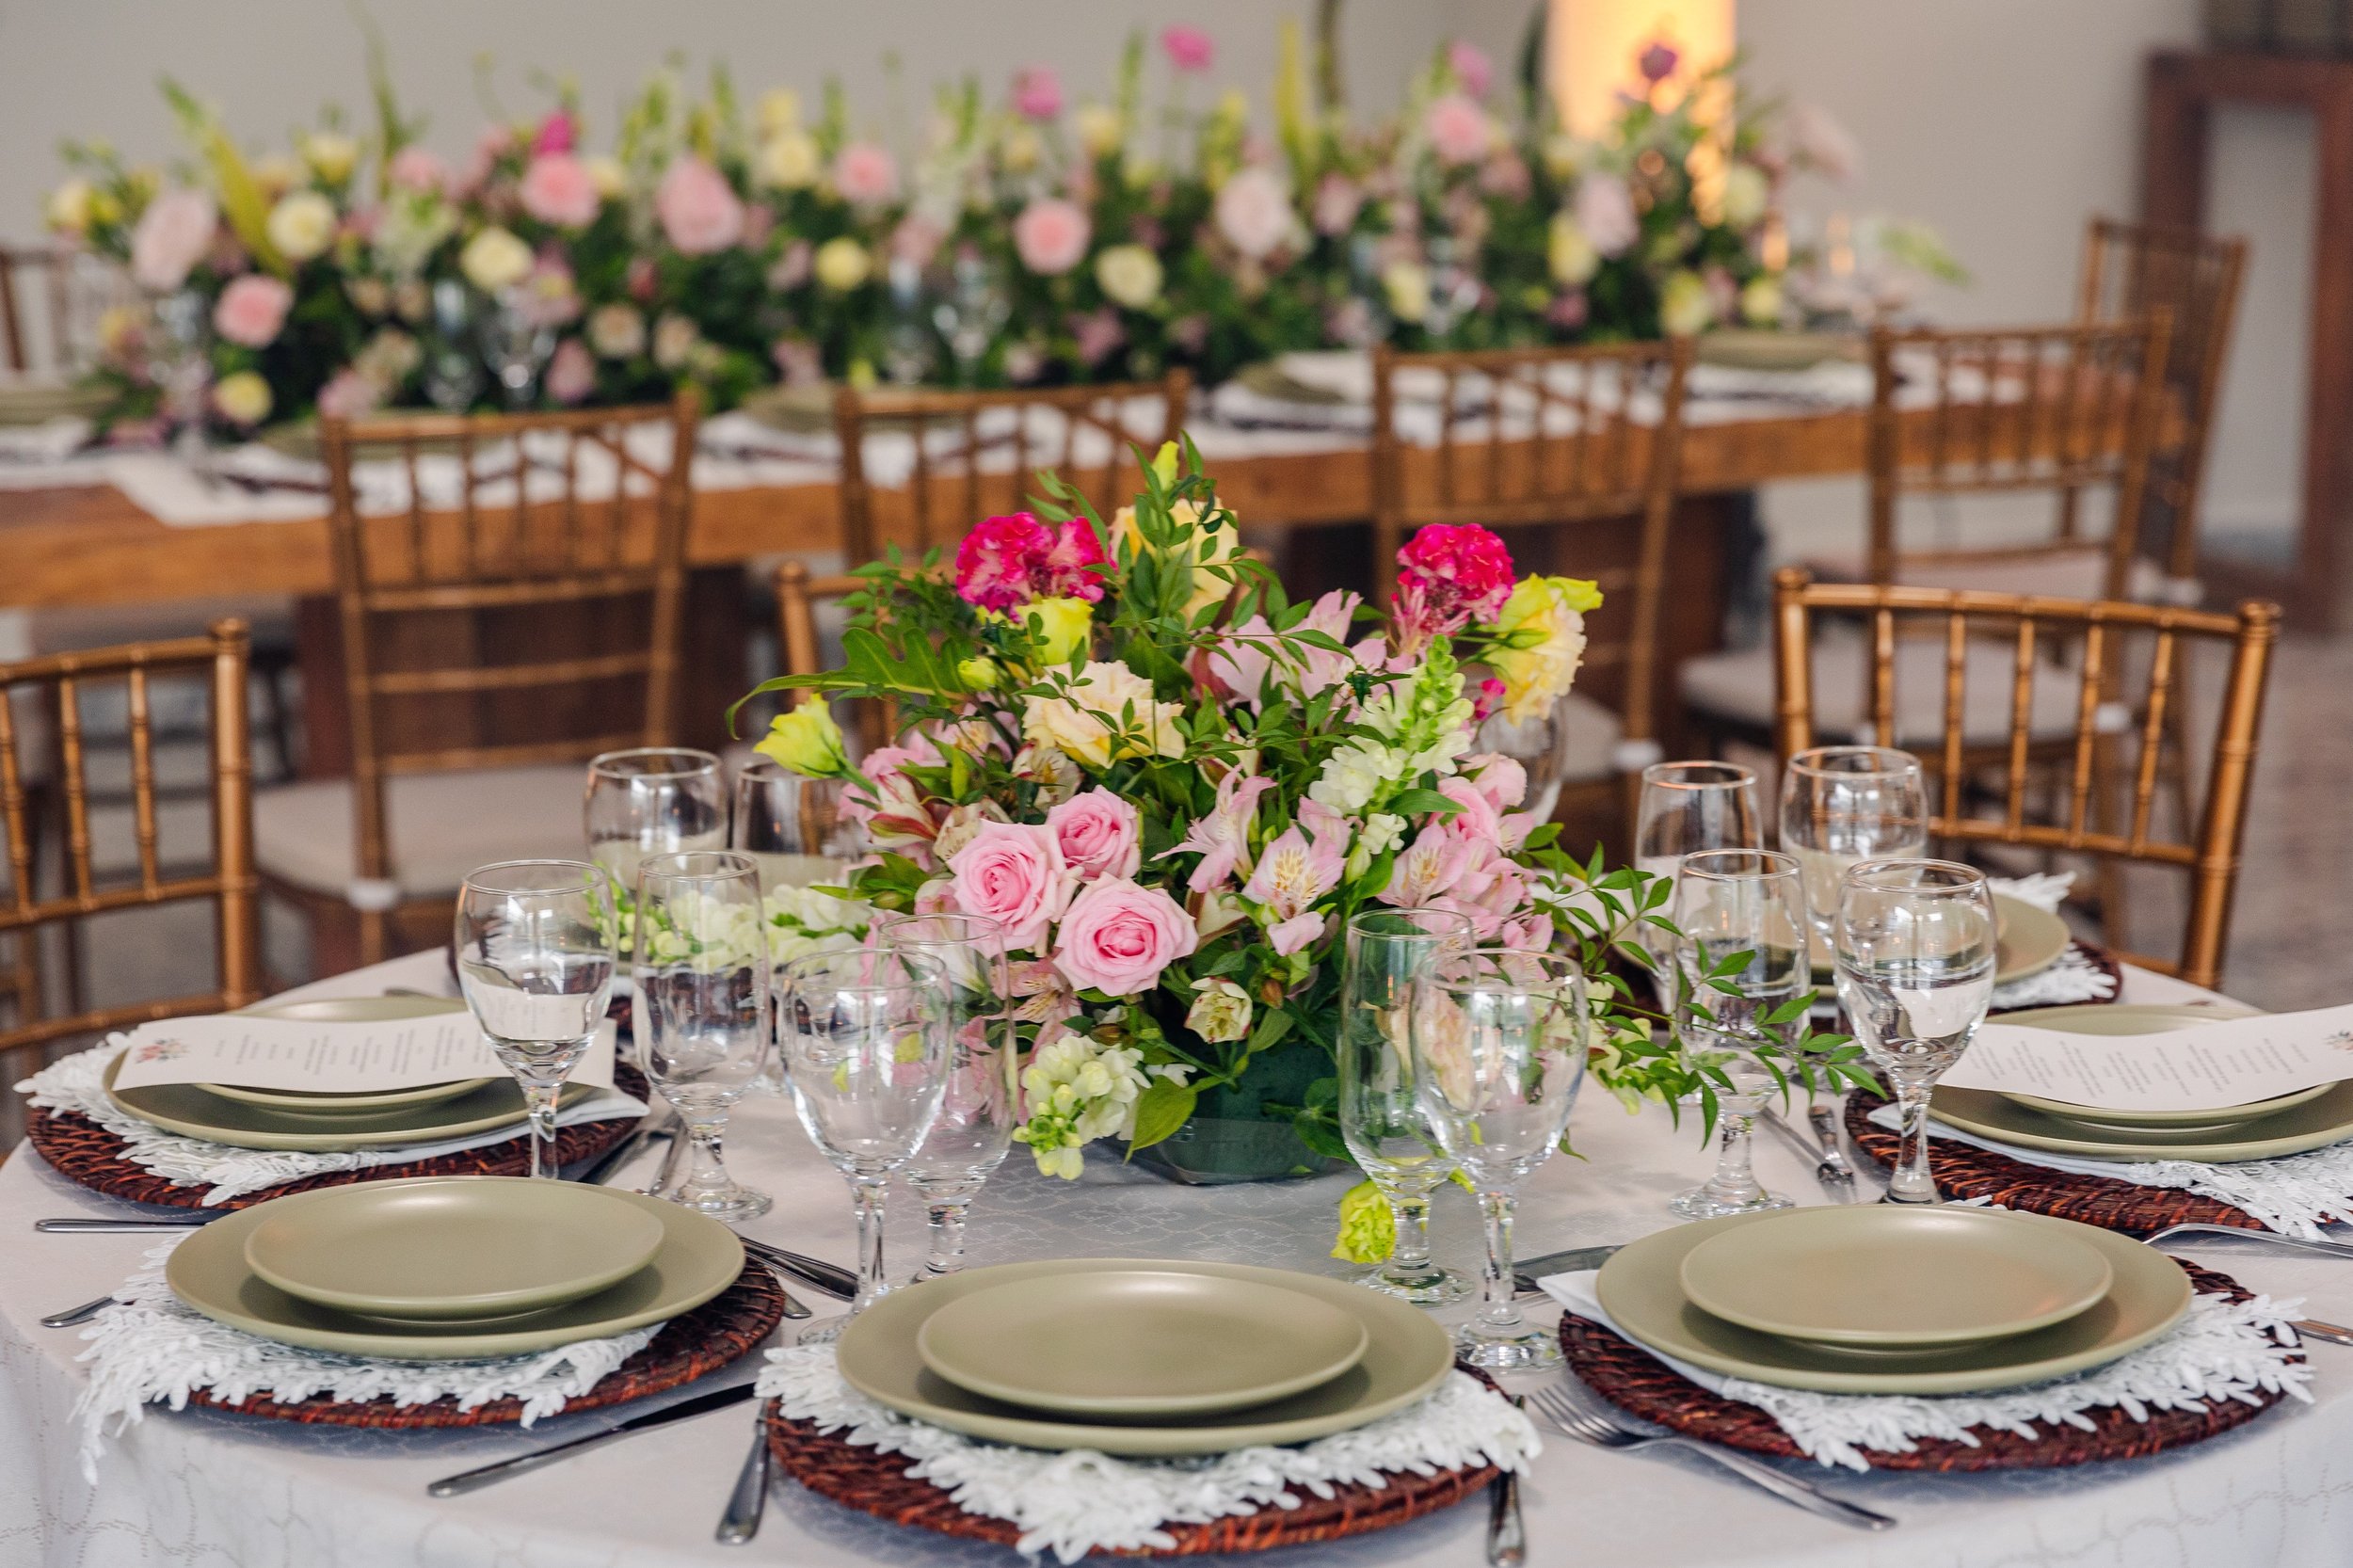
(831, 1278)
(686, 1410)
(79, 1226)
(1836, 1182)
(1526, 1272)
(612, 1160)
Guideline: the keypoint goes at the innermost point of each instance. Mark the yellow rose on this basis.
(67, 209)
(1540, 641)
(807, 741)
(607, 175)
(1572, 256)
(302, 225)
(243, 398)
(1204, 547)
(1021, 149)
(494, 259)
(1100, 129)
(1061, 627)
(1760, 301)
(779, 110)
(1087, 722)
(790, 160)
(1128, 274)
(843, 265)
(1407, 286)
(333, 156)
(1684, 307)
(277, 173)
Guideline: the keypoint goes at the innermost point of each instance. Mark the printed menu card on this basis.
(2205, 1067)
(327, 1058)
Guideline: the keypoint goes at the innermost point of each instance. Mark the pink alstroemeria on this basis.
(1222, 837)
(1293, 872)
(1426, 870)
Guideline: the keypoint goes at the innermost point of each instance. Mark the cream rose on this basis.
(302, 225)
(1128, 274)
(843, 265)
(790, 160)
(1086, 721)
(494, 259)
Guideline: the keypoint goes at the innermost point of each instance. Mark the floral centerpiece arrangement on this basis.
(1027, 237)
(1171, 786)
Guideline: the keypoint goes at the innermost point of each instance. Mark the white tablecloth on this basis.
(221, 1491)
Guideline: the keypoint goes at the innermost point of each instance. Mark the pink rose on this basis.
(698, 208)
(1099, 833)
(1339, 200)
(1037, 93)
(571, 373)
(1471, 67)
(252, 310)
(1605, 210)
(1188, 48)
(349, 395)
(1013, 875)
(1253, 212)
(560, 132)
(413, 169)
(1116, 938)
(1052, 236)
(558, 189)
(171, 237)
(864, 175)
(1457, 128)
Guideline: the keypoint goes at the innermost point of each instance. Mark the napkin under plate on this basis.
(2222, 1350)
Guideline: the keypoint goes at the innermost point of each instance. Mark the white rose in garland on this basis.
(1129, 275)
(495, 259)
(302, 225)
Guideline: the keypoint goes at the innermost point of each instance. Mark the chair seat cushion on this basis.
(1738, 686)
(439, 826)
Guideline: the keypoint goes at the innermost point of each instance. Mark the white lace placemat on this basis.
(1080, 1502)
(77, 1084)
(2224, 1349)
(151, 1347)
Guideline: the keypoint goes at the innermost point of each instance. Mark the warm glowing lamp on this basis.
(1592, 44)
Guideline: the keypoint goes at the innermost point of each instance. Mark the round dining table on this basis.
(214, 1490)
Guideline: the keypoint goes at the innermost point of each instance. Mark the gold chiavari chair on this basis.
(2100, 636)
(972, 453)
(488, 642)
(1566, 441)
(51, 298)
(2130, 270)
(42, 706)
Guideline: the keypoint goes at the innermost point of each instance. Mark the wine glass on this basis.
(1381, 1118)
(1843, 805)
(1540, 746)
(1686, 807)
(518, 341)
(702, 1011)
(867, 1048)
(1498, 1040)
(974, 310)
(983, 1101)
(534, 959)
(1727, 903)
(652, 800)
(794, 828)
(452, 372)
(908, 352)
(1916, 955)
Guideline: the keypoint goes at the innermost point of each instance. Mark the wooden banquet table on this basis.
(202, 1487)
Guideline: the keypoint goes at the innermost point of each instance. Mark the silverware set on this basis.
(1832, 1171)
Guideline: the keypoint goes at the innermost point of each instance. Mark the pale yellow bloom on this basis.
(843, 265)
(1099, 127)
(1573, 259)
(1541, 640)
(1128, 274)
(1747, 193)
(1406, 284)
(302, 225)
(806, 741)
(1683, 308)
(1087, 722)
(67, 209)
(790, 160)
(243, 398)
(333, 156)
(494, 259)
(1760, 300)
(607, 175)
(779, 110)
(1061, 626)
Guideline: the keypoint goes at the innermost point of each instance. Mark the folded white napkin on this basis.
(1076, 1502)
(51, 442)
(77, 1083)
(151, 1347)
(2223, 1350)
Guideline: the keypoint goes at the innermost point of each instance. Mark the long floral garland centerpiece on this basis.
(1172, 786)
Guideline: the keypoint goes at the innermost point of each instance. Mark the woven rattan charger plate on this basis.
(876, 1483)
(1637, 1382)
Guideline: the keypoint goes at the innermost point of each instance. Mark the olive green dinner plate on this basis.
(2149, 1019)
(1140, 1342)
(2029, 940)
(1406, 1355)
(1751, 348)
(1641, 1290)
(460, 1249)
(38, 402)
(197, 1113)
(1878, 1277)
(351, 1010)
(699, 1258)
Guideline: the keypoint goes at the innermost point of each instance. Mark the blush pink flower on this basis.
(1472, 70)
(1116, 938)
(1293, 872)
(1605, 211)
(889, 803)
(171, 237)
(1013, 875)
(1037, 93)
(1222, 837)
(558, 133)
(349, 394)
(866, 175)
(1099, 833)
(1188, 48)
(571, 372)
(558, 188)
(1457, 128)
(1339, 200)
(252, 311)
(698, 209)
(1052, 236)
(1254, 212)
(1447, 576)
(414, 169)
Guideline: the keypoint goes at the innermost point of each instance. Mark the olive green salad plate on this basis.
(197, 1112)
(2027, 940)
(456, 1250)
(337, 1010)
(1881, 1279)
(1140, 1342)
(698, 1258)
(1641, 1287)
(1406, 1354)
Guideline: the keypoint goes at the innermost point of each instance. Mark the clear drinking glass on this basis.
(1844, 804)
(1729, 901)
(534, 959)
(1688, 808)
(1381, 1117)
(652, 800)
(983, 1102)
(794, 828)
(702, 1011)
(1499, 1039)
(1915, 946)
(867, 1050)
(1540, 746)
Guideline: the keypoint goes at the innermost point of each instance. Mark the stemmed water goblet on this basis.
(1498, 1040)
(793, 826)
(971, 312)
(452, 371)
(701, 1010)
(652, 800)
(516, 341)
(867, 1050)
(534, 959)
(1686, 807)
(1727, 903)
(1380, 1112)
(983, 1101)
(1844, 804)
(1915, 957)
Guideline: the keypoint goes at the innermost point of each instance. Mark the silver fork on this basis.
(1823, 1119)
(2266, 1238)
(1574, 1413)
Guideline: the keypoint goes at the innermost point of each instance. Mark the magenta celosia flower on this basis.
(1447, 576)
(1188, 48)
